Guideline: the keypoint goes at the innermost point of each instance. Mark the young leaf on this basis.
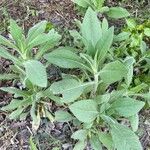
(138, 88)
(80, 145)
(76, 35)
(146, 96)
(16, 31)
(36, 30)
(80, 135)
(15, 104)
(131, 23)
(65, 58)
(48, 93)
(124, 138)
(7, 43)
(113, 72)
(16, 113)
(82, 3)
(143, 47)
(53, 40)
(8, 76)
(36, 72)
(129, 61)
(63, 116)
(100, 99)
(15, 91)
(104, 25)
(106, 139)
(127, 107)
(40, 39)
(117, 12)
(70, 89)
(104, 44)
(98, 3)
(32, 144)
(5, 54)
(134, 120)
(121, 37)
(84, 110)
(35, 116)
(49, 116)
(147, 31)
(91, 29)
(95, 143)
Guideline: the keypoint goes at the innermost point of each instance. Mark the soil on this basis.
(15, 135)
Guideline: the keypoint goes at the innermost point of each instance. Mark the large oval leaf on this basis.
(124, 138)
(65, 58)
(127, 107)
(84, 110)
(36, 72)
(113, 72)
(70, 89)
(117, 12)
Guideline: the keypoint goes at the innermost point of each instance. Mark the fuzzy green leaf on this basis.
(113, 72)
(95, 143)
(129, 61)
(127, 107)
(80, 135)
(84, 110)
(37, 29)
(91, 29)
(147, 31)
(15, 104)
(65, 58)
(117, 12)
(70, 89)
(131, 23)
(5, 54)
(15, 91)
(16, 31)
(134, 120)
(121, 36)
(82, 3)
(106, 139)
(16, 113)
(63, 116)
(8, 76)
(7, 43)
(104, 44)
(54, 38)
(124, 138)
(80, 145)
(104, 25)
(40, 39)
(36, 72)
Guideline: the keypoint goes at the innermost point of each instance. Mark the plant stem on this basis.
(93, 93)
(96, 83)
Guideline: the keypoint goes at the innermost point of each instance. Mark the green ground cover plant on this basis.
(101, 101)
(28, 70)
(98, 6)
(132, 42)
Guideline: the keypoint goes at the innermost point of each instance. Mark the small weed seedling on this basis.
(132, 42)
